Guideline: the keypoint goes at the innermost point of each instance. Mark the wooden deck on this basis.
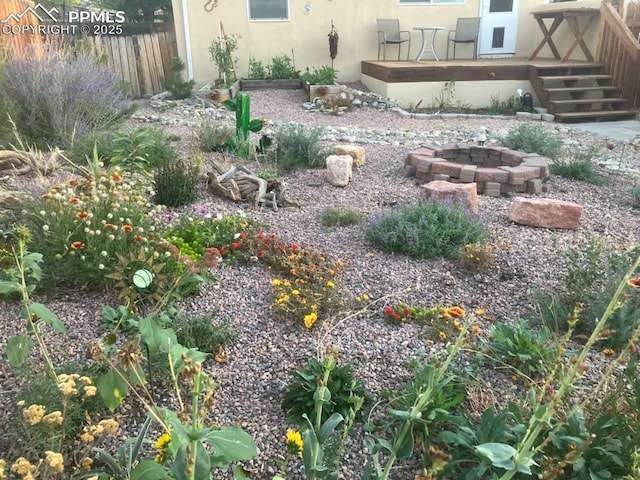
(460, 70)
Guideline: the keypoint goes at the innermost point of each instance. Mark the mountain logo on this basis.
(39, 11)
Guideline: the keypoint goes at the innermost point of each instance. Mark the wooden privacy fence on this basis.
(16, 43)
(619, 51)
(142, 61)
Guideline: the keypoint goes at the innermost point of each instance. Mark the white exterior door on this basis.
(498, 27)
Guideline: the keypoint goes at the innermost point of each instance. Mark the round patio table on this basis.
(432, 48)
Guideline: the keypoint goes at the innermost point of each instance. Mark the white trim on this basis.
(187, 39)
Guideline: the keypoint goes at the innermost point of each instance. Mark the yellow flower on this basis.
(90, 391)
(162, 441)
(442, 335)
(86, 462)
(276, 282)
(55, 461)
(54, 418)
(3, 465)
(86, 437)
(109, 425)
(295, 292)
(330, 284)
(287, 283)
(310, 319)
(34, 413)
(22, 467)
(365, 296)
(294, 442)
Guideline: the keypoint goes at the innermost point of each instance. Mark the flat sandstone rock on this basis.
(545, 213)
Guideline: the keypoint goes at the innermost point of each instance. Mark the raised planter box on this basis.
(322, 91)
(219, 95)
(270, 84)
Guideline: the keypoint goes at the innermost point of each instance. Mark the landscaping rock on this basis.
(443, 190)
(545, 213)
(355, 152)
(339, 170)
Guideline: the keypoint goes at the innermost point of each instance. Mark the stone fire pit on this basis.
(494, 170)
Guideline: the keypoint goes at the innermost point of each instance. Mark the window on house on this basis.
(426, 2)
(268, 10)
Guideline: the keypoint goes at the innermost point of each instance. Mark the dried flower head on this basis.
(129, 356)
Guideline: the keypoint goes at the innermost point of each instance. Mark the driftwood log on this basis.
(20, 162)
(239, 184)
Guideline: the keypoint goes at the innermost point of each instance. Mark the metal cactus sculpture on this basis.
(241, 105)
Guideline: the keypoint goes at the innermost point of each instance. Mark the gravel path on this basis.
(252, 383)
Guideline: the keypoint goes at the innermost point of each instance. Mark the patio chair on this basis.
(389, 33)
(467, 29)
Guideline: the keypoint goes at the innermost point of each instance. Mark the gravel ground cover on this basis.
(251, 385)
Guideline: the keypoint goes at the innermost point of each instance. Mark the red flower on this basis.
(109, 225)
(260, 236)
(388, 310)
(396, 316)
(74, 200)
(138, 238)
(243, 235)
(260, 254)
(127, 228)
(294, 247)
(82, 215)
(236, 244)
(634, 282)
(406, 312)
(77, 245)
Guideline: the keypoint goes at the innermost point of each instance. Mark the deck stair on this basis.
(579, 92)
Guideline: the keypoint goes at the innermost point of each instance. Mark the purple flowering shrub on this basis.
(57, 95)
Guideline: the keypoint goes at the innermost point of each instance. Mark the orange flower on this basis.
(608, 352)
(476, 330)
(109, 225)
(127, 228)
(47, 196)
(116, 177)
(77, 245)
(82, 215)
(456, 312)
(74, 200)
(634, 282)
(138, 238)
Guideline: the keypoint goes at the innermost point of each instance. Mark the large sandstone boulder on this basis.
(356, 152)
(545, 213)
(339, 170)
(463, 192)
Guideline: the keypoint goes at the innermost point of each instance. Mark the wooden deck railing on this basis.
(619, 51)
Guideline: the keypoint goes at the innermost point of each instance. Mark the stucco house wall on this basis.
(303, 36)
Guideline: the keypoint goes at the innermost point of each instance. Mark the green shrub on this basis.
(337, 216)
(178, 87)
(257, 70)
(593, 275)
(282, 68)
(82, 148)
(635, 196)
(581, 170)
(176, 184)
(529, 352)
(426, 229)
(324, 75)
(193, 234)
(203, 333)
(298, 146)
(215, 138)
(138, 151)
(31, 441)
(505, 107)
(56, 95)
(532, 138)
(342, 384)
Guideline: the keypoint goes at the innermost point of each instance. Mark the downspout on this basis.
(187, 39)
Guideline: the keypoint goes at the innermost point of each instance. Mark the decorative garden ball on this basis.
(142, 278)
